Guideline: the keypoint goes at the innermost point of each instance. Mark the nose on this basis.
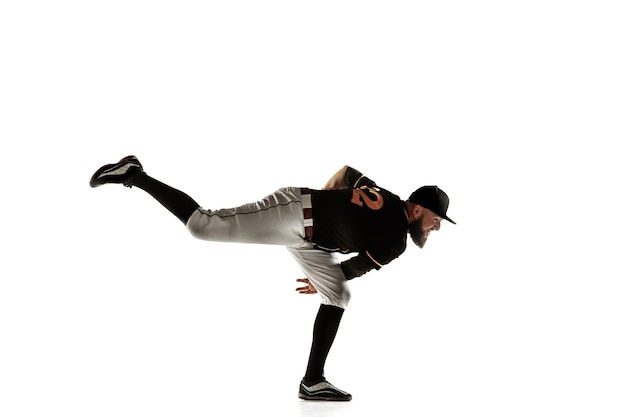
(437, 225)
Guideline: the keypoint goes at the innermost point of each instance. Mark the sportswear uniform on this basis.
(365, 219)
(313, 224)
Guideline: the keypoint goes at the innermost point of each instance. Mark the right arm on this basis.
(358, 265)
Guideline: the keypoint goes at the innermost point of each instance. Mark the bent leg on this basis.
(324, 332)
(324, 271)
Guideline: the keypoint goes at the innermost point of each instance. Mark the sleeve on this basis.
(355, 179)
(358, 265)
(365, 261)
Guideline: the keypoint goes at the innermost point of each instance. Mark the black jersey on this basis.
(364, 218)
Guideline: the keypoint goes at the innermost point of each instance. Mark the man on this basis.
(350, 214)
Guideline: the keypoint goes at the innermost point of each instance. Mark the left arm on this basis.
(337, 181)
(348, 177)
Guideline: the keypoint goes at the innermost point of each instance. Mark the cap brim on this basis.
(449, 219)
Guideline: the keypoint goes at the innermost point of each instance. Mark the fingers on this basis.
(308, 289)
(302, 290)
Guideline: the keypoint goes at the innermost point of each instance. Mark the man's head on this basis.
(427, 206)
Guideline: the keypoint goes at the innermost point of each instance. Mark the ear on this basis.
(417, 211)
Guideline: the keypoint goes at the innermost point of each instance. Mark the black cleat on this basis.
(119, 173)
(322, 391)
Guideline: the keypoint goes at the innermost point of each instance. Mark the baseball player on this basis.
(350, 214)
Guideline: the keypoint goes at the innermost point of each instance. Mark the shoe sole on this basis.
(319, 398)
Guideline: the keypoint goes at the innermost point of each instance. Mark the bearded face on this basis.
(416, 230)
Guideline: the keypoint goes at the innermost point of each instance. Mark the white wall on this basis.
(108, 307)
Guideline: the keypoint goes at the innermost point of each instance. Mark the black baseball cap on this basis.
(434, 199)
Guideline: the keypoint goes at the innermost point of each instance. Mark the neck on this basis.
(408, 209)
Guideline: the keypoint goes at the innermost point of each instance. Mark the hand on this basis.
(308, 289)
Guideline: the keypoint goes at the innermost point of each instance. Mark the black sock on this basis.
(177, 202)
(324, 332)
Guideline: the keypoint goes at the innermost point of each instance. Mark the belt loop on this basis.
(307, 210)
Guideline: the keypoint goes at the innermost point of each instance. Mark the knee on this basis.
(341, 300)
(345, 297)
(195, 227)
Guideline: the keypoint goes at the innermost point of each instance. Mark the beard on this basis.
(417, 234)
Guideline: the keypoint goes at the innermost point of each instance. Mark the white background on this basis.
(516, 109)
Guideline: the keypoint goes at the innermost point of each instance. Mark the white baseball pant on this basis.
(278, 219)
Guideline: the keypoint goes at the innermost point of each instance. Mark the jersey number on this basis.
(368, 196)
